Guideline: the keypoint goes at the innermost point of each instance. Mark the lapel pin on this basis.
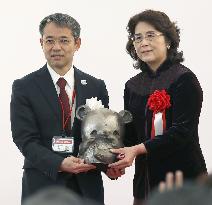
(83, 82)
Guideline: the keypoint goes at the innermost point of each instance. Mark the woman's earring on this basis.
(168, 47)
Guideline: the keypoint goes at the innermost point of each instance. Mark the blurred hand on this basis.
(75, 165)
(171, 182)
(114, 173)
(127, 155)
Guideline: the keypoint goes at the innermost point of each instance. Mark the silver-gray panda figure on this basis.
(102, 129)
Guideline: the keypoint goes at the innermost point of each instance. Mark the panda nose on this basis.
(103, 132)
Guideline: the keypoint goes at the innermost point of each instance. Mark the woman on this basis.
(165, 100)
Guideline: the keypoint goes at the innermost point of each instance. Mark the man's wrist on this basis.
(61, 167)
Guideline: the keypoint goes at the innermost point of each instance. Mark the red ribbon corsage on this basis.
(158, 102)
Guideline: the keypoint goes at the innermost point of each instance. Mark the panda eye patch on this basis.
(93, 132)
(115, 132)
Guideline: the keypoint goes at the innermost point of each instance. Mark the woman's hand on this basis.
(127, 155)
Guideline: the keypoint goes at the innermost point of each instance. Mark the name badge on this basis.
(63, 144)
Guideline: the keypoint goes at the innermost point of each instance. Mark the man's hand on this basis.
(114, 173)
(171, 182)
(75, 165)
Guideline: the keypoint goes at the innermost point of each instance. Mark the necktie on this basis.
(64, 99)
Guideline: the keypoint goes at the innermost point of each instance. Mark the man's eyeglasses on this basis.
(137, 38)
(51, 42)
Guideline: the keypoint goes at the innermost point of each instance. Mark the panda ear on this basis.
(82, 111)
(126, 116)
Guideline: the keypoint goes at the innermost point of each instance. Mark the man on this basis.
(190, 193)
(57, 196)
(43, 122)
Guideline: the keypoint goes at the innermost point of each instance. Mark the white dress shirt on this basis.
(69, 77)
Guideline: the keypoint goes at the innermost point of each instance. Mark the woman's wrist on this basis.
(140, 149)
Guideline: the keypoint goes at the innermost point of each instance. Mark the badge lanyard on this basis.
(71, 107)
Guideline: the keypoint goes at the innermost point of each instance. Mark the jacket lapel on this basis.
(79, 87)
(46, 85)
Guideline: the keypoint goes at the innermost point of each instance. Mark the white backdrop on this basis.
(103, 55)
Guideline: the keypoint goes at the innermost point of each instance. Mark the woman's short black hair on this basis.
(161, 22)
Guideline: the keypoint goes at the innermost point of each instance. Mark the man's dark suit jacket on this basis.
(36, 117)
